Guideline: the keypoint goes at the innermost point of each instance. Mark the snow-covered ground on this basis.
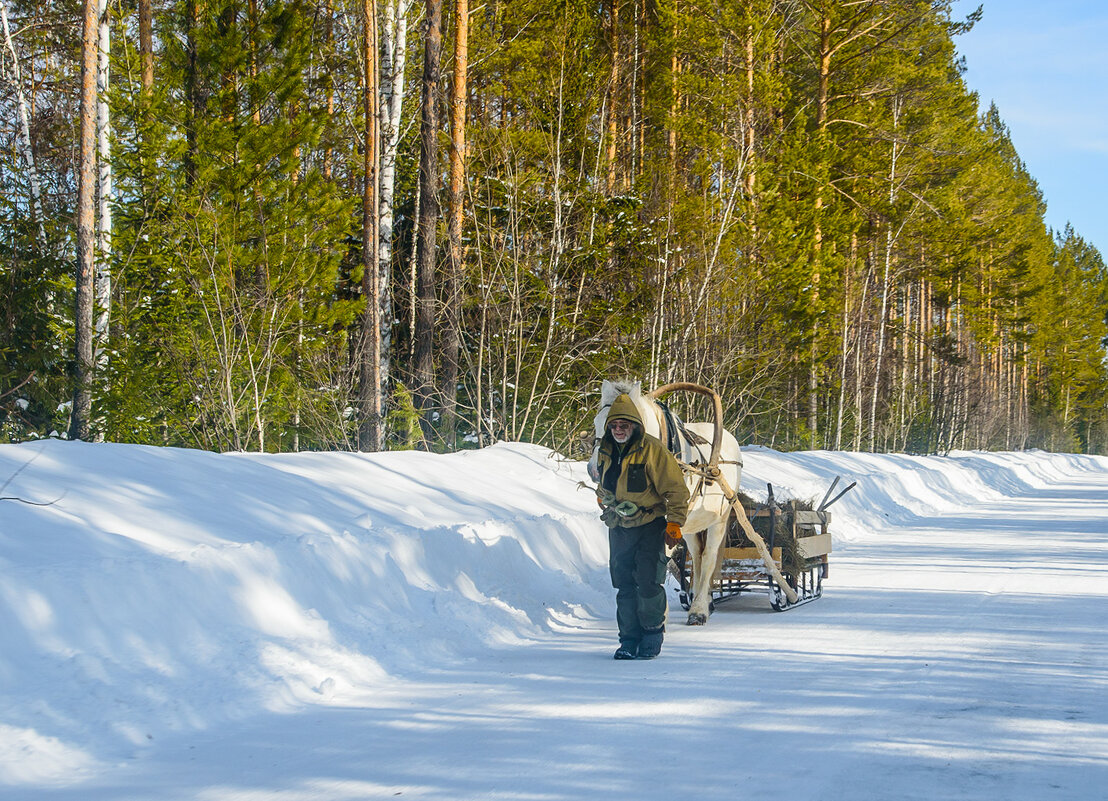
(179, 625)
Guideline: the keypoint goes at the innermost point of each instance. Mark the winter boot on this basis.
(626, 650)
(651, 644)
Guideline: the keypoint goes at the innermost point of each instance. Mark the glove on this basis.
(673, 534)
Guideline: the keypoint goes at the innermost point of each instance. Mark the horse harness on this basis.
(673, 429)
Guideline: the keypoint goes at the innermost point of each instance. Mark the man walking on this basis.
(644, 499)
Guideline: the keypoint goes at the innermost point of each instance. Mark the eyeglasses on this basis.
(620, 425)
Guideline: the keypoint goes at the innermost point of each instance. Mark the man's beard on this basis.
(622, 437)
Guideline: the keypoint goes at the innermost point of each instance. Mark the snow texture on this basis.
(188, 626)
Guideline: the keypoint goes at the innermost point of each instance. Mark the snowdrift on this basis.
(146, 590)
(172, 588)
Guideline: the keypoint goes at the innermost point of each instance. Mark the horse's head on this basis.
(609, 391)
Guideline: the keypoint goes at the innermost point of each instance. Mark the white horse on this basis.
(708, 506)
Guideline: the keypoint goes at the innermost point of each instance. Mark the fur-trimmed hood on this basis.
(623, 408)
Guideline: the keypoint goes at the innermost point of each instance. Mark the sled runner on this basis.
(797, 541)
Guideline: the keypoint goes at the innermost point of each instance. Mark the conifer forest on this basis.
(282, 225)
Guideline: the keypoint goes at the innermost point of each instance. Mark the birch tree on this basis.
(394, 46)
(15, 78)
(104, 186)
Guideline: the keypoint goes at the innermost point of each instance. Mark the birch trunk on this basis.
(15, 78)
(104, 187)
(394, 44)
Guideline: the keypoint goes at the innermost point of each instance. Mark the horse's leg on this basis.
(695, 545)
(698, 609)
(704, 569)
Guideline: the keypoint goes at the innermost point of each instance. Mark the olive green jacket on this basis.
(650, 477)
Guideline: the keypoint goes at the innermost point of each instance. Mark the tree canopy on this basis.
(795, 202)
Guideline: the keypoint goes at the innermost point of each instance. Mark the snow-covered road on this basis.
(960, 650)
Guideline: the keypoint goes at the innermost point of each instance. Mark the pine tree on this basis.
(80, 425)
(241, 241)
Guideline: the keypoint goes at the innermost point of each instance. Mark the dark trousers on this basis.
(637, 561)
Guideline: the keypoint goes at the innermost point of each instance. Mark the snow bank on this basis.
(170, 589)
(898, 489)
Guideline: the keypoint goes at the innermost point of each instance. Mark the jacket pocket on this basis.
(636, 478)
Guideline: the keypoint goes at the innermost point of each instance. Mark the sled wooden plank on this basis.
(731, 554)
(810, 547)
(748, 553)
(811, 518)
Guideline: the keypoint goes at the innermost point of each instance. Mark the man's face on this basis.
(621, 430)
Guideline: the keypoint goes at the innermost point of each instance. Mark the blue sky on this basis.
(1045, 64)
